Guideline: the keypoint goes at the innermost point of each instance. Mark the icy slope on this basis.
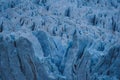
(59, 40)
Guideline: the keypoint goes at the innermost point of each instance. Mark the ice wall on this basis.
(59, 40)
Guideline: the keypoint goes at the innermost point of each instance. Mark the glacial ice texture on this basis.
(59, 39)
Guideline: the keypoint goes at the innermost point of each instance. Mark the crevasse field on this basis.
(59, 39)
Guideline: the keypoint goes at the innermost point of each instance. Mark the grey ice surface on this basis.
(59, 39)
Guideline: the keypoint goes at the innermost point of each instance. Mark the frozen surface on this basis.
(59, 39)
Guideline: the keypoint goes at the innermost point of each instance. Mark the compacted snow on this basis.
(59, 39)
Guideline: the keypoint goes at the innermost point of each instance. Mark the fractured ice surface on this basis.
(59, 39)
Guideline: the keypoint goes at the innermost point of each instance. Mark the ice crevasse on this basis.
(59, 39)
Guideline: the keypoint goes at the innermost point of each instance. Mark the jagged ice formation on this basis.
(59, 39)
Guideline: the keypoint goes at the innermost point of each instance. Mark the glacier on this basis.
(59, 39)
